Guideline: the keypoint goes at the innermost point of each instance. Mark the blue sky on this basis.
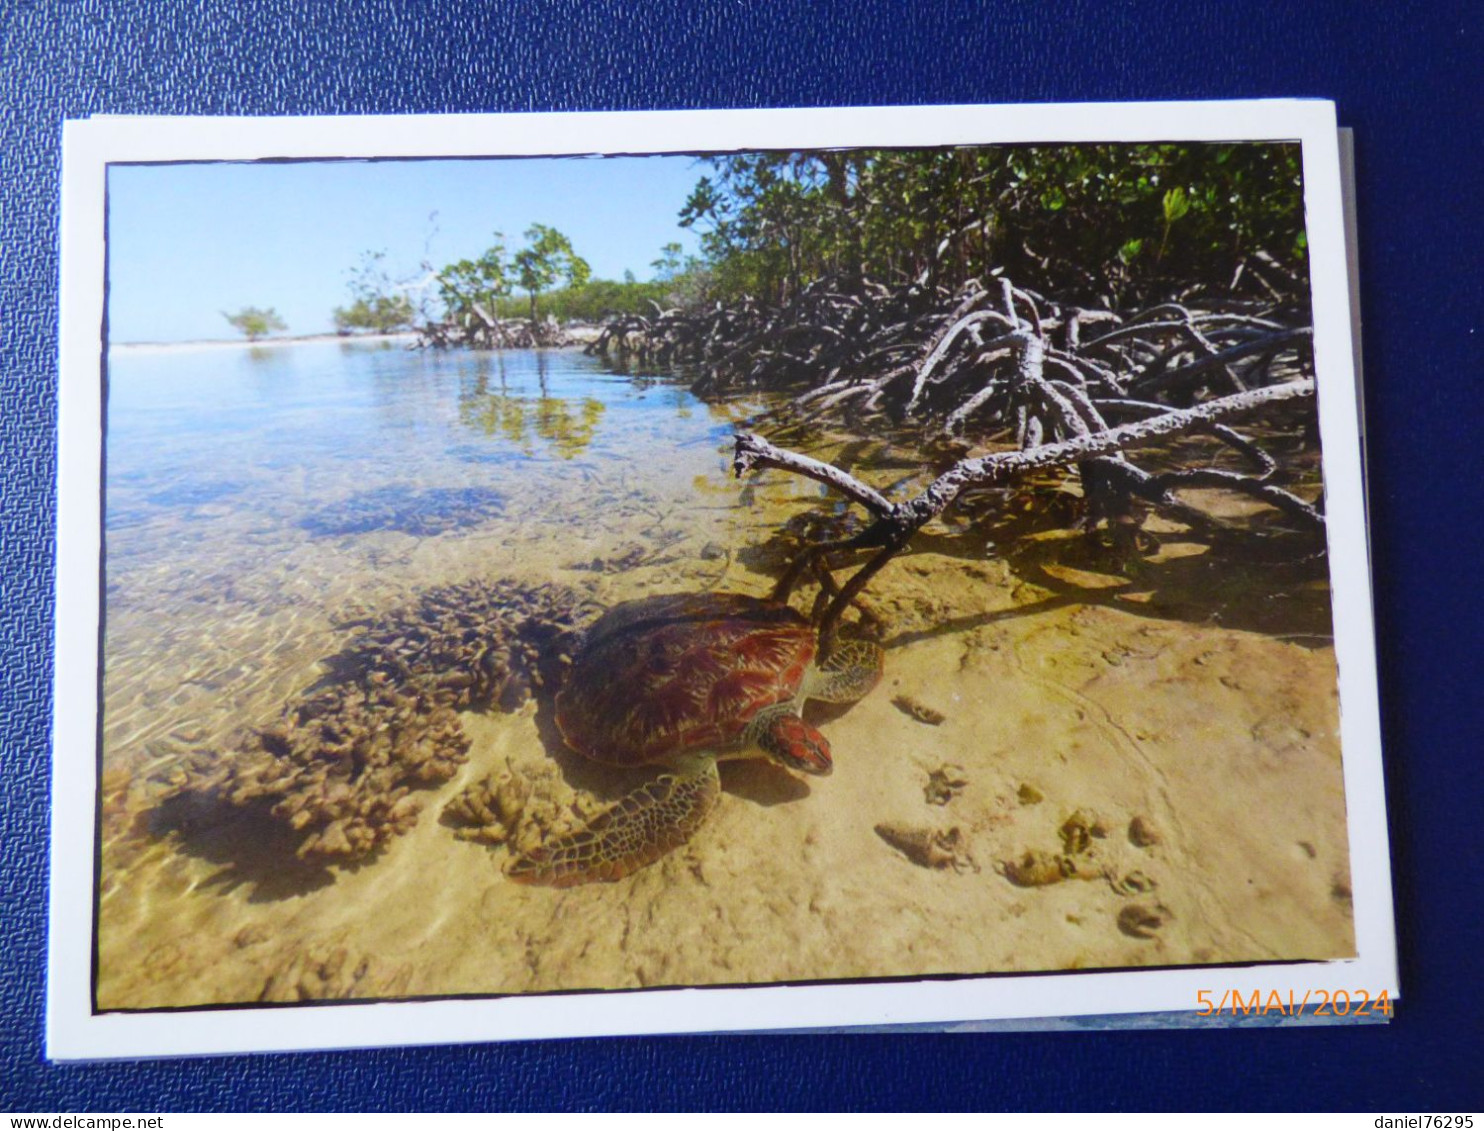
(186, 242)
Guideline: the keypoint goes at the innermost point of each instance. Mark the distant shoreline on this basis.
(581, 335)
(261, 343)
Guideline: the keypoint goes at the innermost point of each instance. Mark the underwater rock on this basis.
(915, 709)
(1142, 833)
(1140, 922)
(929, 848)
(1077, 859)
(944, 784)
(426, 512)
(1038, 869)
(1079, 831)
(340, 764)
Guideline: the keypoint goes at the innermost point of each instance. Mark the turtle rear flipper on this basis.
(643, 826)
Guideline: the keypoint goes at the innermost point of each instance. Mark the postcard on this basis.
(549, 575)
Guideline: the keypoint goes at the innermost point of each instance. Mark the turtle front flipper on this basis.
(853, 668)
(653, 820)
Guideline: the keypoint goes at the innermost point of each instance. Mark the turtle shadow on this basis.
(250, 848)
(762, 782)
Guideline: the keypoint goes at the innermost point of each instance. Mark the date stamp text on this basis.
(1310, 1003)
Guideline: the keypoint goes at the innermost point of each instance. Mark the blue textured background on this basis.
(1406, 76)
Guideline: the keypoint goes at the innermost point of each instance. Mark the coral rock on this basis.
(490, 811)
(1038, 869)
(1079, 831)
(339, 763)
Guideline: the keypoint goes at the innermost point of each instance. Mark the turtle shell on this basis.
(664, 676)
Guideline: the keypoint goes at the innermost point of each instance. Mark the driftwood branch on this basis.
(1002, 466)
(752, 451)
(897, 522)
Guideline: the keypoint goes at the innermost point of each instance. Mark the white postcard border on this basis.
(75, 1032)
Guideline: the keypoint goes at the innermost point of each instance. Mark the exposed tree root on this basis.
(1014, 361)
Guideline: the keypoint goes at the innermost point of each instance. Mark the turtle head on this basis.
(792, 742)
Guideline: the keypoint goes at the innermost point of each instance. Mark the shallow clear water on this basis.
(285, 430)
(261, 502)
(255, 496)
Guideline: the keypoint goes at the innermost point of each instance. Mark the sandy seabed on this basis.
(1091, 786)
(1065, 766)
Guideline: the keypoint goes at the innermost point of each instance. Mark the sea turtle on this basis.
(681, 681)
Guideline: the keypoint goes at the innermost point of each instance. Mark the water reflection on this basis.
(267, 356)
(567, 426)
(345, 438)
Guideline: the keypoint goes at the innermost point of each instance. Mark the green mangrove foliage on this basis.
(256, 322)
(482, 287)
(1120, 223)
(470, 288)
(598, 300)
(546, 259)
(379, 303)
(478, 295)
(500, 298)
(917, 284)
